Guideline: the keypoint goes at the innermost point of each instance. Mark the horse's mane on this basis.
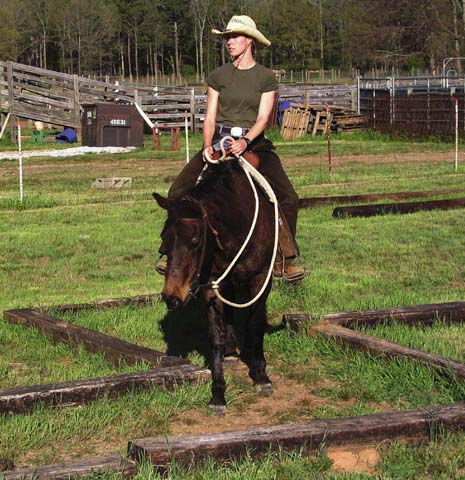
(215, 180)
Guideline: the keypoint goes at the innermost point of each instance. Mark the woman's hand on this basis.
(238, 147)
(207, 152)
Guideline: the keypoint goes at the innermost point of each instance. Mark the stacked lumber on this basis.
(338, 120)
(301, 118)
(295, 121)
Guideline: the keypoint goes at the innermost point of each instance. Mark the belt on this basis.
(236, 132)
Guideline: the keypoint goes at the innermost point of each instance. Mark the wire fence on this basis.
(414, 107)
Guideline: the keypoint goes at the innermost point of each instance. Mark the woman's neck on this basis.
(244, 61)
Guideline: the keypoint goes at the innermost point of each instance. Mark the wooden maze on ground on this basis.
(371, 210)
(168, 371)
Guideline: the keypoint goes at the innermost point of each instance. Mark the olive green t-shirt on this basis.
(240, 92)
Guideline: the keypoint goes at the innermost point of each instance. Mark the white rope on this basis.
(250, 172)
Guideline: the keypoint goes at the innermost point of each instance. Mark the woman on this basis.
(240, 99)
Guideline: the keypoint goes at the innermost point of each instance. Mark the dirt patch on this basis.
(164, 166)
(291, 402)
(341, 159)
(354, 459)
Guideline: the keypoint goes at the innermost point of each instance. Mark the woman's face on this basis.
(237, 44)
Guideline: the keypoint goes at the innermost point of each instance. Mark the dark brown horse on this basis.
(202, 234)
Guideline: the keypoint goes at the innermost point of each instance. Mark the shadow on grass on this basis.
(185, 331)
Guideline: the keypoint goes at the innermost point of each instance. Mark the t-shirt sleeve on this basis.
(269, 82)
(213, 80)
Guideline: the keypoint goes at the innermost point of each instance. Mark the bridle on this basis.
(196, 283)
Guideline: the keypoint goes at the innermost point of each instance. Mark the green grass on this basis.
(371, 384)
(68, 243)
(42, 362)
(441, 338)
(156, 169)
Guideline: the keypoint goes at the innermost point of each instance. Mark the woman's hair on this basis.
(253, 48)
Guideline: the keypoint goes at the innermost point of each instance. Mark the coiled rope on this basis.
(252, 174)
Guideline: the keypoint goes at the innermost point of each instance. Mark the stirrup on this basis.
(280, 267)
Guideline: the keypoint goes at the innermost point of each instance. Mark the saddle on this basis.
(248, 155)
(286, 244)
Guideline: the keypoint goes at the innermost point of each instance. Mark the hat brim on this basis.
(261, 40)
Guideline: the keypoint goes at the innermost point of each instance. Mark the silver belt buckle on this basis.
(236, 132)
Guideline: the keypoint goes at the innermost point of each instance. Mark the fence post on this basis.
(192, 109)
(328, 137)
(77, 107)
(155, 138)
(11, 102)
(358, 95)
(456, 165)
(20, 160)
(175, 139)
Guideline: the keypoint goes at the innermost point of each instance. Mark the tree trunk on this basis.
(322, 58)
(196, 41)
(155, 60)
(463, 15)
(79, 54)
(129, 59)
(176, 51)
(136, 54)
(122, 72)
(44, 37)
(202, 73)
(456, 37)
(162, 61)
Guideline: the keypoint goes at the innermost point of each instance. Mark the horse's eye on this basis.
(195, 241)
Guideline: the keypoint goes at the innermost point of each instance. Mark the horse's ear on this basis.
(162, 201)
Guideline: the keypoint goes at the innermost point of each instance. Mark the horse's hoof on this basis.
(264, 389)
(219, 410)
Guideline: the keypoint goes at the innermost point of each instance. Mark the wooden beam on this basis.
(308, 436)
(112, 348)
(57, 119)
(409, 207)
(370, 197)
(378, 346)
(77, 106)
(21, 67)
(145, 300)
(75, 469)
(452, 312)
(23, 399)
(11, 101)
(40, 101)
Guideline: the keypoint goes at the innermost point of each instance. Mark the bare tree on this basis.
(199, 9)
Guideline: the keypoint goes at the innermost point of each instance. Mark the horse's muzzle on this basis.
(172, 301)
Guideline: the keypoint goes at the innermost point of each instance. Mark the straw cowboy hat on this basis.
(245, 25)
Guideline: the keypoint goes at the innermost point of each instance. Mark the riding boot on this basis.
(288, 251)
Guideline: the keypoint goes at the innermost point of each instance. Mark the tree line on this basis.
(134, 38)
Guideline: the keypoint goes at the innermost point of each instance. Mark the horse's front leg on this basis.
(217, 335)
(253, 343)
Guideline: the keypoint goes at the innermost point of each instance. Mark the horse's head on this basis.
(184, 242)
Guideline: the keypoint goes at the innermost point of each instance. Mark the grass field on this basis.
(69, 243)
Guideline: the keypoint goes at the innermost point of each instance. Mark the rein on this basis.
(196, 285)
(250, 172)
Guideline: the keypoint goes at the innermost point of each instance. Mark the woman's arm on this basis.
(210, 119)
(264, 110)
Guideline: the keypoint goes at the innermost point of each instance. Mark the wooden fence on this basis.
(56, 98)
